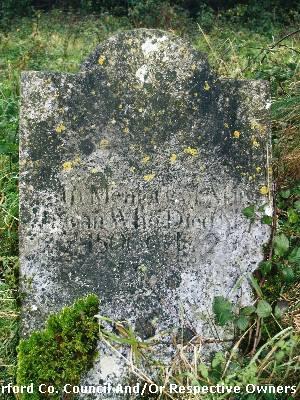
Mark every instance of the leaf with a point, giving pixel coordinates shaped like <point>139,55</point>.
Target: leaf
<point>248,310</point>
<point>263,309</point>
<point>278,312</point>
<point>203,370</point>
<point>294,257</point>
<point>281,244</point>
<point>218,359</point>
<point>249,212</point>
<point>297,205</point>
<point>293,216</point>
<point>265,267</point>
<point>285,194</point>
<point>267,220</point>
<point>242,323</point>
<point>223,310</point>
<point>288,274</point>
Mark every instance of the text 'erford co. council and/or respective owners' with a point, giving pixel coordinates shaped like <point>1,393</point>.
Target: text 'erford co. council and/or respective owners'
<point>146,388</point>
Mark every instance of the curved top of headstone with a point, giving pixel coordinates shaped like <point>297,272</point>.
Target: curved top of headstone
<point>165,88</point>
<point>147,56</point>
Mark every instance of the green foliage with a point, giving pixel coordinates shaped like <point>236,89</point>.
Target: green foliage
<point>249,212</point>
<point>61,352</point>
<point>281,244</point>
<point>263,309</point>
<point>223,310</point>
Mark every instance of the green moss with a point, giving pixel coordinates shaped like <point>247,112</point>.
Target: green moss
<point>61,352</point>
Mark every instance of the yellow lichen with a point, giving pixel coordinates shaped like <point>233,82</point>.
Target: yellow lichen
<point>173,158</point>
<point>101,60</point>
<point>226,125</point>
<point>104,143</point>
<point>67,166</point>
<point>206,86</point>
<point>255,143</point>
<point>255,125</point>
<point>126,130</point>
<point>149,177</point>
<point>236,134</point>
<point>145,159</point>
<point>60,128</point>
<point>264,190</point>
<point>132,169</point>
<point>258,169</point>
<point>76,161</point>
<point>191,151</point>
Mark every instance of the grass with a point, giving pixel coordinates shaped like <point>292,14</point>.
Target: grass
<point>237,48</point>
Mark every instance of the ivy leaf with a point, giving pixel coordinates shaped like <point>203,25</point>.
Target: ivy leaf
<point>249,212</point>
<point>263,309</point>
<point>281,244</point>
<point>223,310</point>
<point>242,323</point>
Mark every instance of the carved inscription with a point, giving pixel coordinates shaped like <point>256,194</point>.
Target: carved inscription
<point>111,216</point>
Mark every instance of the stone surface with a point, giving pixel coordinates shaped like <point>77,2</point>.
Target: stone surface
<point>134,175</point>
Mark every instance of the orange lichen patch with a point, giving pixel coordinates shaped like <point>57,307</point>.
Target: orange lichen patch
<point>191,151</point>
<point>149,177</point>
<point>101,60</point>
<point>236,134</point>
<point>264,190</point>
<point>60,128</point>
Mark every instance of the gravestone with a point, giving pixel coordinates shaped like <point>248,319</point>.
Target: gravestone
<point>134,175</point>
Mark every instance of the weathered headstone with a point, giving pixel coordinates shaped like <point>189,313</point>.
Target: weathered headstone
<point>134,175</point>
